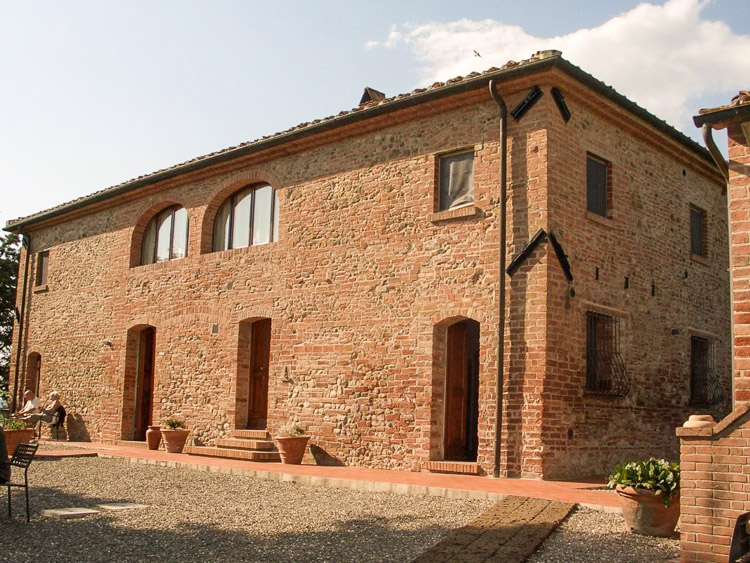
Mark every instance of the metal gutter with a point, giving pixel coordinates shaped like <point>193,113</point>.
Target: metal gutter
<point>21,324</point>
<point>503,110</point>
<point>398,103</point>
<point>720,118</point>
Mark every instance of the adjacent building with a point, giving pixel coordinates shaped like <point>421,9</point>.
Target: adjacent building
<point>715,458</point>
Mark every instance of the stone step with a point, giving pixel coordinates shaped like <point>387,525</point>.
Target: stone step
<point>251,434</point>
<point>246,455</point>
<point>460,467</point>
<point>133,444</point>
<point>244,444</point>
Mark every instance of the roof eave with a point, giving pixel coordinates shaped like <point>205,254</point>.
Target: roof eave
<point>465,85</point>
<point>720,118</point>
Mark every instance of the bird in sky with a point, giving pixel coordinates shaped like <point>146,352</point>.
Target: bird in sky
<point>476,53</point>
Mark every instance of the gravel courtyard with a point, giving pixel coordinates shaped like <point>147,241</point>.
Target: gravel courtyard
<point>199,516</point>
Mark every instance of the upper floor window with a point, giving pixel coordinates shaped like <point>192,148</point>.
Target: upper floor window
<point>704,383</point>
<point>166,236</point>
<point>248,217</point>
<point>456,183</point>
<point>598,189</point>
<point>42,262</point>
<point>698,232</point>
<point>605,369</point>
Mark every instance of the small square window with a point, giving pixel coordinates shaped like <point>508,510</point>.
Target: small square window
<point>42,262</point>
<point>598,189</point>
<point>456,184</point>
<point>605,369</point>
<point>698,232</point>
<point>704,383</point>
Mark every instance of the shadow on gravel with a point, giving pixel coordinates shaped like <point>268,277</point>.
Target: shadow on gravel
<point>107,537</point>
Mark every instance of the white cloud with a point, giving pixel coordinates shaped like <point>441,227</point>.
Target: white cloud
<point>665,57</point>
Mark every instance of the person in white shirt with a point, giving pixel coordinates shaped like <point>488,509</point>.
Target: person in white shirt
<point>31,406</point>
<point>48,412</point>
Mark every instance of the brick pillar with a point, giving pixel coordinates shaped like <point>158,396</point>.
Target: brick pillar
<point>715,485</point>
<point>739,220</point>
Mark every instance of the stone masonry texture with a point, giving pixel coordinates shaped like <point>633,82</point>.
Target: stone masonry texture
<point>366,277</point>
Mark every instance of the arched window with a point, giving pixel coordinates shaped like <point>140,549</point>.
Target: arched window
<point>248,217</point>
<point>166,236</point>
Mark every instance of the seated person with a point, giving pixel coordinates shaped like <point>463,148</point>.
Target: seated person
<point>4,464</point>
<point>48,412</point>
<point>31,406</point>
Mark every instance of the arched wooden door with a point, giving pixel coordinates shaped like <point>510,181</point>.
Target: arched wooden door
<point>144,404</point>
<point>260,351</point>
<point>462,391</point>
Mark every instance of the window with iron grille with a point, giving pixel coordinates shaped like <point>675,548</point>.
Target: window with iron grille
<point>698,232</point>
<point>704,383</point>
<point>605,369</point>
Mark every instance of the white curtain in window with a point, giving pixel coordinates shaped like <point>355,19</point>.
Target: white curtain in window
<point>221,226</point>
<point>180,236</point>
<point>456,180</point>
<point>262,215</point>
<point>163,236</point>
<point>241,225</point>
<point>147,245</point>
<point>275,216</point>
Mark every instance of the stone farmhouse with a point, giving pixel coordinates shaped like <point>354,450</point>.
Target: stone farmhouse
<point>347,275</point>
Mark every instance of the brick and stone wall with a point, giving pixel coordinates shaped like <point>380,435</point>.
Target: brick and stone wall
<point>636,266</point>
<point>365,277</point>
<point>716,460</point>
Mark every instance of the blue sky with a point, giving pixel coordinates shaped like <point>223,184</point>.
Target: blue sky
<point>96,93</point>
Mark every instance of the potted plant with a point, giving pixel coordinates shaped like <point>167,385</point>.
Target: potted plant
<point>175,435</point>
<point>649,493</point>
<point>292,445</point>
<point>16,433</point>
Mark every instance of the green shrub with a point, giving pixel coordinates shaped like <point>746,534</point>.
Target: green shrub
<point>656,475</point>
<point>14,424</point>
<point>173,423</point>
<point>295,430</point>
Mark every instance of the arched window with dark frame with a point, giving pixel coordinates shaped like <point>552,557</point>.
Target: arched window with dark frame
<point>247,217</point>
<point>166,236</point>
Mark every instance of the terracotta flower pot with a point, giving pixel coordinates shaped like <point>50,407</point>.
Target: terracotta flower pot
<point>15,437</point>
<point>174,440</point>
<point>153,437</point>
<point>292,448</point>
<point>645,513</point>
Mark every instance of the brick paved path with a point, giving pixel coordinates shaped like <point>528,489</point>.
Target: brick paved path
<point>507,533</point>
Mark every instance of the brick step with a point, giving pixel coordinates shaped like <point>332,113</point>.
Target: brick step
<point>461,467</point>
<point>246,455</point>
<point>132,444</point>
<point>244,444</point>
<point>251,434</point>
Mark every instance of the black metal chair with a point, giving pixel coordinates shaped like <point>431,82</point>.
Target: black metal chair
<point>58,420</point>
<point>22,458</point>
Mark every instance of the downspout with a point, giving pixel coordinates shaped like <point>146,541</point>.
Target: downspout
<point>27,245</point>
<point>503,221</point>
<point>708,138</point>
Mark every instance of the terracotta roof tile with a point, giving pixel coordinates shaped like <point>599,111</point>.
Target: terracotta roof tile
<point>316,123</point>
